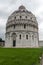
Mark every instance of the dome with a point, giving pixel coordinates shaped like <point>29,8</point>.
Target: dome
<point>22,16</point>
<point>21,7</point>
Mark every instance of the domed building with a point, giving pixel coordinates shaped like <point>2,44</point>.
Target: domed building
<point>22,29</point>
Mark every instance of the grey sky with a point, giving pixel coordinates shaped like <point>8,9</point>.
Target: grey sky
<point>9,6</point>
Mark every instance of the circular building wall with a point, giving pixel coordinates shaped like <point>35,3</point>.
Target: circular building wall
<point>22,29</point>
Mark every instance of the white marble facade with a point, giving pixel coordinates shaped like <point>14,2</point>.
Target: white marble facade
<point>22,29</point>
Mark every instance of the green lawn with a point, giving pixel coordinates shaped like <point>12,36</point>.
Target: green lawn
<point>20,56</point>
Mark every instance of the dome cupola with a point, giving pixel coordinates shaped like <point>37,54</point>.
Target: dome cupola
<point>22,7</point>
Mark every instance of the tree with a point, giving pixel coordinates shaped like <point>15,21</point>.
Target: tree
<point>0,39</point>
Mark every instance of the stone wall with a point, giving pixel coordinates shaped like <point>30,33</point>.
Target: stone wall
<point>41,43</point>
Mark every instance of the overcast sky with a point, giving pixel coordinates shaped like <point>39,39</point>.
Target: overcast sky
<point>9,6</point>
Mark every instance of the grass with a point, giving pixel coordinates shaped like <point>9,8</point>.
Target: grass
<point>20,56</point>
